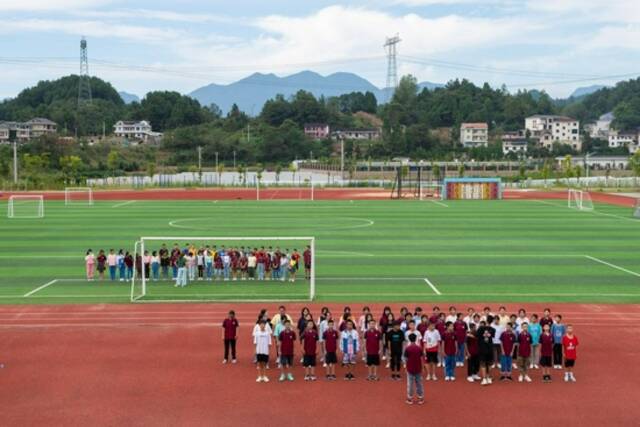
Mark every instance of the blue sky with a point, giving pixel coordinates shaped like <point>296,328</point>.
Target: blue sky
<point>556,45</point>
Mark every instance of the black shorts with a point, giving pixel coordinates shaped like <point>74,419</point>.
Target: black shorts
<point>569,363</point>
<point>432,357</point>
<point>373,360</point>
<point>286,360</point>
<point>331,358</point>
<point>545,361</point>
<point>308,361</point>
<point>486,359</point>
<point>262,358</point>
<point>307,266</point>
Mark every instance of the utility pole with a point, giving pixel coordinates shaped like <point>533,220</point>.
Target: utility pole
<point>342,158</point>
<point>15,162</point>
<point>392,64</point>
<point>199,158</point>
<point>216,161</point>
<point>234,159</point>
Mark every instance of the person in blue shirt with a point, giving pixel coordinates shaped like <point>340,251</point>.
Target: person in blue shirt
<point>535,330</point>
<point>558,330</point>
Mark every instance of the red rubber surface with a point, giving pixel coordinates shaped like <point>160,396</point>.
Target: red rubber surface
<point>107,365</point>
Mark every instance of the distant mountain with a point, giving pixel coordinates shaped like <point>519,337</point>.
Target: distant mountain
<point>588,90</point>
<point>253,91</point>
<point>128,98</point>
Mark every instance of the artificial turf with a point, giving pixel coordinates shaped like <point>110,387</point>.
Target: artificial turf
<point>523,250</point>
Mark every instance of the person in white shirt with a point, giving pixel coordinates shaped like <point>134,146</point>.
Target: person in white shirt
<point>411,329</point>
<point>112,262</point>
<point>432,341</point>
<point>252,261</point>
<point>468,319</point>
<point>284,264</point>
<point>522,318</point>
<point>155,266</point>
<point>262,340</point>
<point>452,316</point>
<point>496,341</point>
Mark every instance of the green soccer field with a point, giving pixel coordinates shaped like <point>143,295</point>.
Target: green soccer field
<point>365,250</point>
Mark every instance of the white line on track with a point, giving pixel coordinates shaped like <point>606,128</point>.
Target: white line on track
<point>432,286</point>
<point>617,267</point>
<point>28,294</point>
<point>124,204</point>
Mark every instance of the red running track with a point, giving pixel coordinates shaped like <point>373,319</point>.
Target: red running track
<point>105,365</point>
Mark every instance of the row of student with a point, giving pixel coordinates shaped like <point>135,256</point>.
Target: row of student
<point>190,263</point>
<point>478,344</point>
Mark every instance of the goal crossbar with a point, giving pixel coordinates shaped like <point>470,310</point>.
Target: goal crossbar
<point>39,198</point>
<point>139,248</point>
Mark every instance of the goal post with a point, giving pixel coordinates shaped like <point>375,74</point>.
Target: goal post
<point>213,269</point>
<point>636,209</point>
<point>580,200</point>
<point>25,206</point>
<point>78,196</point>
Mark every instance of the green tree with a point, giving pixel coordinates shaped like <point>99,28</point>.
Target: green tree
<point>634,163</point>
<point>113,161</point>
<point>70,167</point>
<point>567,166</point>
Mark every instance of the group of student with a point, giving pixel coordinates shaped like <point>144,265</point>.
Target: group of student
<point>418,341</point>
<point>191,263</point>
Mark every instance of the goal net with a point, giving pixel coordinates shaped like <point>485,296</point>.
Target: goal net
<point>181,268</point>
<point>78,196</point>
<point>26,206</point>
<point>578,199</point>
<point>636,209</point>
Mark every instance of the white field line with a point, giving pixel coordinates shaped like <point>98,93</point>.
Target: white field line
<point>124,204</point>
<point>28,294</point>
<point>564,205</point>
<point>617,267</point>
<point>432,286</point>
<point>438,203</point>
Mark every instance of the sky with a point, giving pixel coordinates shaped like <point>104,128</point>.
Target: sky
<point>139,46</point>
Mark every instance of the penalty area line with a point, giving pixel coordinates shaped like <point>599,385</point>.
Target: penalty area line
<point>432,286</point>
<point>124,204</point>
<point>617,267</point>
<point>28,294</point>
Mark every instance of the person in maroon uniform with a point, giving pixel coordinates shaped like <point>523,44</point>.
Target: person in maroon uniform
<point>471,353</point>
<point>306,256</point>
<point>230,327</point>
<point>546,318</point>
<point>507,345</point>
<point>275,264</point>
<point>285,349</point>
<point>460,329</point>
<point>524,352</point>
<point>413,366</point>
<point>309,346</point>
<point>546,352</point>
<point>243,263</point>
<point>450,344</point>
<point>435,315</point>
<point>441,327</point>
<point>330,343</point>
<point>373,339</point>
<point>217,265</point>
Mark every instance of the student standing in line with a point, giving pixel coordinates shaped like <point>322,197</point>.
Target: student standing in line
<point>460,330</point>
<point>122,269</point>
<point>413,365</point>
<point>558,330</point>
<point>262,341</point>
<point>330,346</point>
<point>471,351</point>
<point>208,264</point>
<point>286,340</point>
<point>101,260</point>
<point>181,278</point>
<point>524,352</point>
<point>128,262</point>
<point>569,352</point>
<point>485,350</point>
<point>373,339</point>
<point>395,340</point>
<point>147,264</point>
<point>535,330</point>
<point>90,262</point>
<point>450,345</point>
<point>230,327</point>
<point>112,262</point>
<point>350,346</point>
<point>546,352</point>
<point>165,260</point>
<point>155,266</point>
<point>309,346</point>
<point>507,344</point>
<point>432,341</point>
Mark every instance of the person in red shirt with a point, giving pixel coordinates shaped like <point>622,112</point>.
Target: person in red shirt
<point>569,353</point>
<point>230,327</point>
<point>471,353</point>
<point>330,344</point>
<point>441,327</point>
<point>524,352</point>
<point>460,329</point>
<point>286,339</point>
<point>507,346</point>
<point>373,339</point>
<point>435,315</point>
<point>450,344</point>
<point>546,352</point>
<point>413,365</point>
<point>306,256</point>
<point>309,346</point>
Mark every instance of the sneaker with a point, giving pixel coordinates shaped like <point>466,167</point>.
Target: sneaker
<point>387,365</point>
<point>282,377</point>
<point>503,377</point>
<point>452,378</point>
<point>265,379</point>
<point>434,378</point>
<point>531,366</point>
<point>572,378</point>
<point>352,377</point>
<point>290,377</point>
<point>307,377</point>
<point>384,357</point>
<point>346,377</point>
<point>527,378</point>
<point>493,366</point>
<point>490,380</point>
<point>520,378</point>
<point>484,382</point>
<point>420,401</point>
<point>224,361</point>
<point>259,380</point>
<point>428,378</point>
<point>470,379</point>
<point>313,378</point>
<point>409,401</point>
<point>446,378</point>
<point>324,365</point>
<point>477,377</point>
<point>536,366</point>
<point>234,361</point>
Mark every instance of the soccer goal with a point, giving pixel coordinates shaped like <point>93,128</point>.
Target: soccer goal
<point>217,272</point>
<point>26,206</point>
<point>580,200</point>
<point>636,209</point>
<point>78,196</point>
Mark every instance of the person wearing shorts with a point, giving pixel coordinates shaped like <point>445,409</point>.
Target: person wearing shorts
<point>262,341</point>
<point>546,352</point>
<point>309,346</point>
<point>432,340</point>
<point>349,344</point>
<point>286,339</point>
<point>330,344</point>
<point>569,353</point>
<point>372,339</point>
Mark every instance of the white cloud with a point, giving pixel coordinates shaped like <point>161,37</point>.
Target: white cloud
<point>591,11</point>
<point>451,2</point>
<point>160,15</point>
